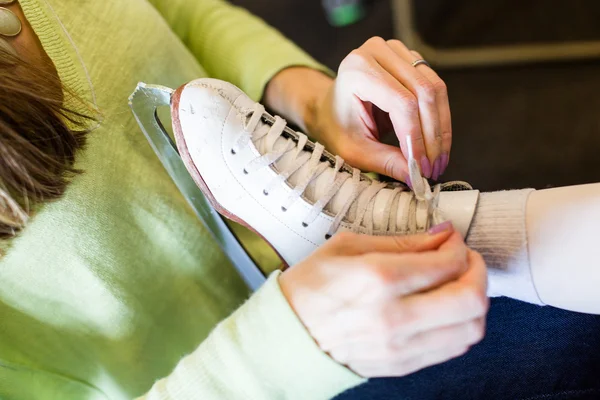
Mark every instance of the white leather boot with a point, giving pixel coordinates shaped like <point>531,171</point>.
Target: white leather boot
<point>260,173</point>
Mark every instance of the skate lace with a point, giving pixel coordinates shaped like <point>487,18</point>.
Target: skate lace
<point>364,189</point>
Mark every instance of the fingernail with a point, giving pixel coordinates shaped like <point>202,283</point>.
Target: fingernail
<point>437,169</point>
<point>425,167</point>
<point>408,182</point>
<point>443,227</point>
<point>444,163</point>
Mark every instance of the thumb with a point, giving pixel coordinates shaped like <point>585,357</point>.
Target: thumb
<point>383,159</point>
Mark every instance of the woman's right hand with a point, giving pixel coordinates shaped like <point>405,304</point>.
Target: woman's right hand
<point>390,306</point>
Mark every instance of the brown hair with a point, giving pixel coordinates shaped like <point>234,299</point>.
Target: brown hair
<point>39,137</point>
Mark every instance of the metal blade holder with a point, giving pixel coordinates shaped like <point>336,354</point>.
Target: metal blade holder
<point>144,102</point>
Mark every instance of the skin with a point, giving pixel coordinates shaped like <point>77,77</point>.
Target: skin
<point>389,306</point>
<point>383,306</point>
<point>377,90</point>
<point>27,43</point>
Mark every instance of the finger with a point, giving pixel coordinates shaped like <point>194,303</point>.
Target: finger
<point>388,277</point>
<point>453,303</point>
<point>374,156</point>
<point>393,351</point>
<point>443,105</point>
<point>382,89</point>
<point>465,334</point>
<point>375,370</point>
<point>392,59</point>
<point>381,158</point>
<point>410,273</point>
<point>352,244</point>
<point>439,89</point>
<point>380,281</point>
<point>478,277</point>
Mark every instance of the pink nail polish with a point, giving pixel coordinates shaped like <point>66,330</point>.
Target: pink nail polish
<point>408,182</point>
<point>437,169</point>
<point>443,227</point>
<point>425,167</point>
<point>444,163</point>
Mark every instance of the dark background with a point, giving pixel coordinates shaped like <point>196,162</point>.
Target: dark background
<point>522,126</point>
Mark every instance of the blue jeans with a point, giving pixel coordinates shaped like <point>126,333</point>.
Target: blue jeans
<point>529,353</point>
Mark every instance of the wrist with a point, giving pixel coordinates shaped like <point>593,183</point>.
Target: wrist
<point>296,93</point>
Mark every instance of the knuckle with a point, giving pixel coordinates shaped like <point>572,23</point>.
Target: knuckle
<point>477,258</point>
<point>388,324</point>
<point>446,135</point>
<point>396,321</point>
<point>408,102</point>
<point>401,370</point>
<point>403,243</point>
<point>410,317</point>
<point>343,237</point>
<point>390,167</point>
<point>394,42</point>
<point>386,275</point>
<point>384,325</point>
<point>440,88</point>
<point>342,243</point>
<point>459,351</point>
<point>355,60</point>
<point>405,317</point>
<point>475,300</point>
<point>417,138</point>
<point>375,41</point>
<point>453,264</point>
<point>456,257</point>
<point>402,97</point>
<point>425,90</point>
<point>383,275</point>
<point>475,332</point>
<point>410,366</point>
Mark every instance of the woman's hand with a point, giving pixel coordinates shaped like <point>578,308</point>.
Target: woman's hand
<point>389,306</point>
<point>377,90</point>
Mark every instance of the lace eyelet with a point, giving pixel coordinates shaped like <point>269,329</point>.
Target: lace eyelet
<point>327,236</point>
<point>283,209</point>
<point>265,193</point>
<point>233,151</point>
<point>245,172</point>
<point>304,224</point>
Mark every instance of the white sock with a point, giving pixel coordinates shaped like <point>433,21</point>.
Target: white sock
<point>499,233</point>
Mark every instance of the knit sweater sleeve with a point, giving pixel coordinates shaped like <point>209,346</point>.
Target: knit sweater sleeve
<point>231,44</point>
<point>261,352</point>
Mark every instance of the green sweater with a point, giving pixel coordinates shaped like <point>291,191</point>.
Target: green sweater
<point>109,288</point>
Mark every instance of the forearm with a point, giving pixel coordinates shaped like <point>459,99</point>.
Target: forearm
<point>295,92</point>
